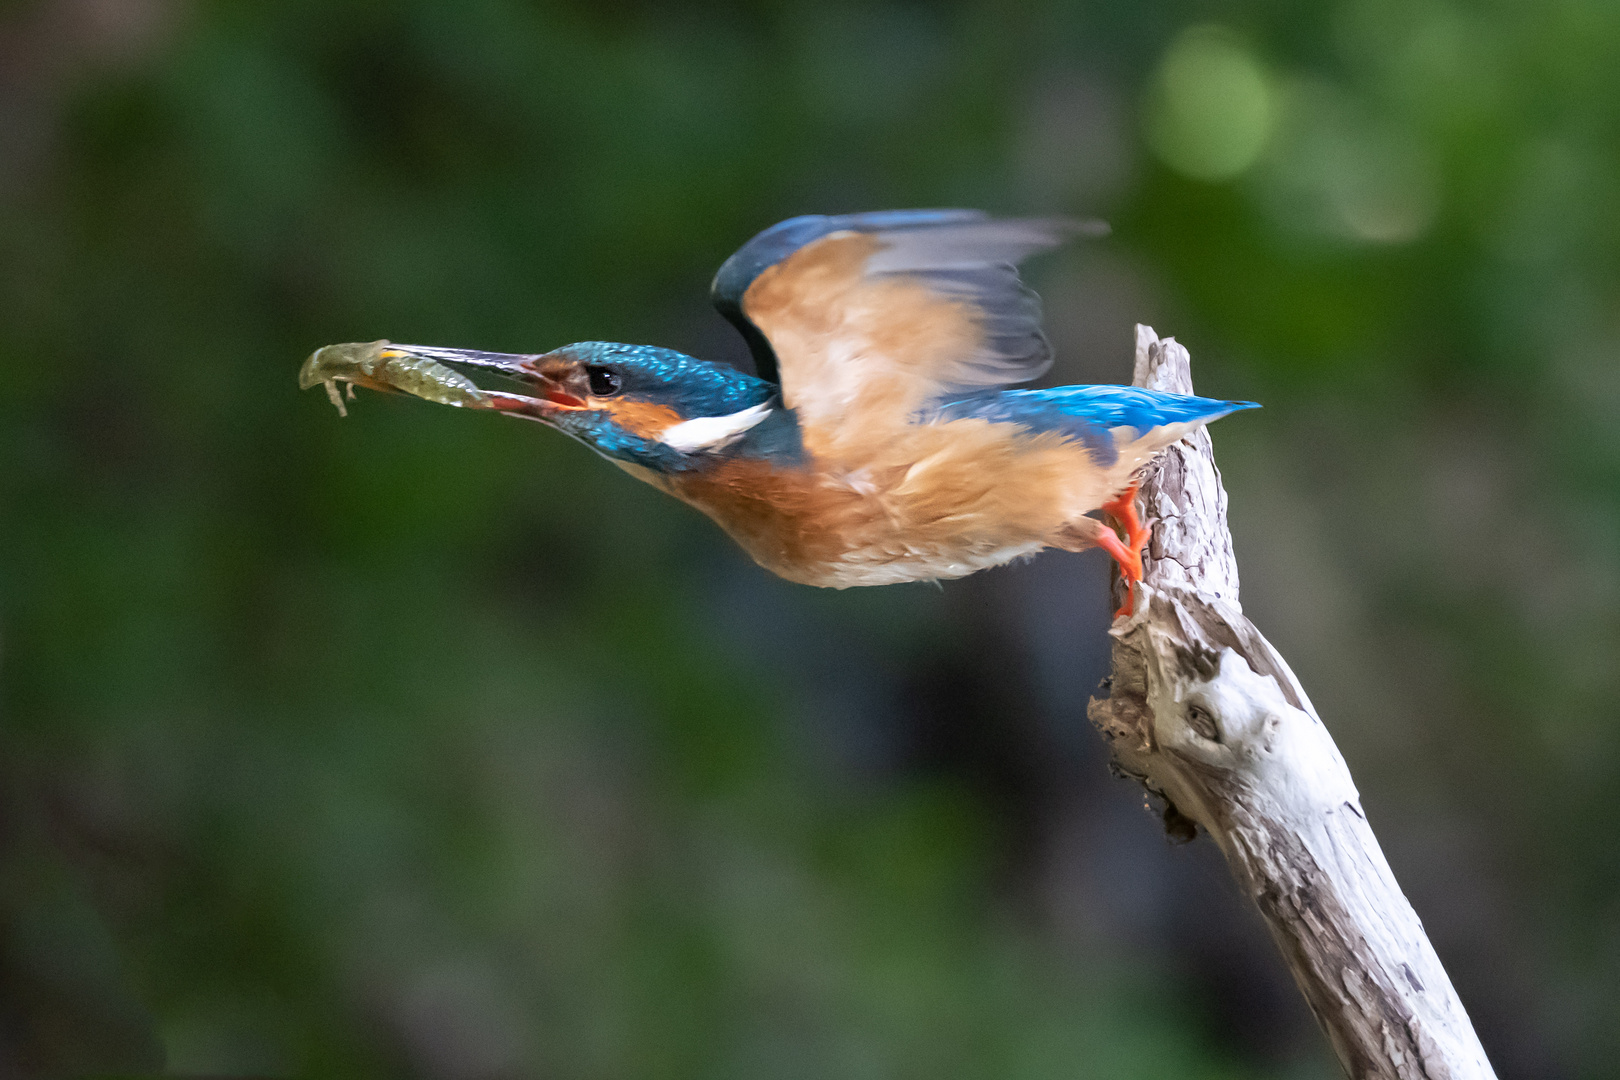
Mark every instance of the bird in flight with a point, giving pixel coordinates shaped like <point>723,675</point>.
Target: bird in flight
<point>879,442</point>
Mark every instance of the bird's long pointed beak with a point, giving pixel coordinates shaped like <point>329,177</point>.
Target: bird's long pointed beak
<point>544,400</point>
<point>514,365</point>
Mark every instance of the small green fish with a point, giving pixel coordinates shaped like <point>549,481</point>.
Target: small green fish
<point>378,366</point>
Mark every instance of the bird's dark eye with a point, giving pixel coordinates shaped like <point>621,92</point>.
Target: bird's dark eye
<point>604,381</point>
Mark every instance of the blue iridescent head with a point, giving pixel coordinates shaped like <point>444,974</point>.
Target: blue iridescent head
<point>656,407</point>
<point>640,404</point>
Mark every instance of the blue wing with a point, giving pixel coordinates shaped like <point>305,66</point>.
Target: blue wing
<point>1095,415</point>
<point>959,255</point>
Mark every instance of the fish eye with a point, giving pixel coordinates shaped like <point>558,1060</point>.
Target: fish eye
<point>604,382</point>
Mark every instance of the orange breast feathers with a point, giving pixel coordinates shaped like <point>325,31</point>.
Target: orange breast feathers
<point>935,501</point>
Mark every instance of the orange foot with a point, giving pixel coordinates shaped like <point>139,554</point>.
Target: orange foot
<point>1129,553</point>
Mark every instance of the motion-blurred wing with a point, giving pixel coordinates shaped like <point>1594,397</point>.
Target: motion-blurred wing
<point>865,318</point>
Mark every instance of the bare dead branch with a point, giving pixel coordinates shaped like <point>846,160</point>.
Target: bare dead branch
<point>1205,713</point>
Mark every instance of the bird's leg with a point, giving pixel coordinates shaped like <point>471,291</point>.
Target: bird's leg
<point>1123,510</point>
<point>1088,532</point>
<point>1130,566</point>
<point>1129,554</point>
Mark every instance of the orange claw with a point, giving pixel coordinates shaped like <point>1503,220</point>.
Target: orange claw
<point>1129,553</point>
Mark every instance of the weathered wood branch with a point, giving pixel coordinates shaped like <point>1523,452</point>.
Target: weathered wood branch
<point>1205,713</point>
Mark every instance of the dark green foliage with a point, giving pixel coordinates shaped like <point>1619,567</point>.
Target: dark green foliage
<point>425,743</point>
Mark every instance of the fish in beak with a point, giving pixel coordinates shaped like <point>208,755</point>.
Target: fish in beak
<point>430,373</point>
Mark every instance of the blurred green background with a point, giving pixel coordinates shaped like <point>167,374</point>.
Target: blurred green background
<point>426,744</point>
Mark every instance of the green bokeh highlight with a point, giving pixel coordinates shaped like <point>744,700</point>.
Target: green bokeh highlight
<point>423,743</point>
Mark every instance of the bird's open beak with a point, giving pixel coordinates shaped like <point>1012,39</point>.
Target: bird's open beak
<point>434,374</point>
<point>545,395</point>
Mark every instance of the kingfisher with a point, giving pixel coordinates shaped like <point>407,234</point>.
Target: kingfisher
<point>879,441</point>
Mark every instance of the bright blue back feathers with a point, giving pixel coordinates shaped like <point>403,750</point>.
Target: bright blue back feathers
<point>1106,406</point>
<point>1087,413</point>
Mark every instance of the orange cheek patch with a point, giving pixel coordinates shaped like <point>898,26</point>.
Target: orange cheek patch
<point>641,418</point>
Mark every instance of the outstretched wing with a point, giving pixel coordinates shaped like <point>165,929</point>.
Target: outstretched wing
<point>865,318</point>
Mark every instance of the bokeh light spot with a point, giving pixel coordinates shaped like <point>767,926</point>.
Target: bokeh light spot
<point>1211,108</point>
<point>1335,169</point>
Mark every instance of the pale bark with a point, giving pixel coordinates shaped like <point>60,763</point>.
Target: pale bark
<point>1204,712</point>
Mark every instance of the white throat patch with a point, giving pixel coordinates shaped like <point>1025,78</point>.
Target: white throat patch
<point>712,432</point>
